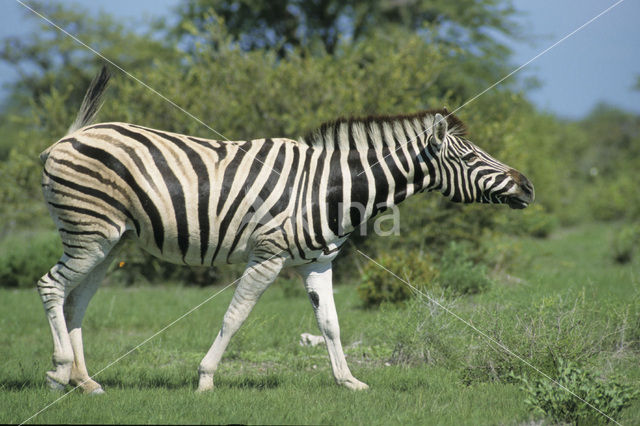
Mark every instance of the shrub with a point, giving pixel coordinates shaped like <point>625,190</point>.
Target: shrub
<point>459,274</point>
<point>377,285</point>
<point>455,274</point>
<point>553,401</point>
<point>556,327</point>
<point>615,198</point>
<point>503,255</point>
<point>535,221</point>
<point>27,257</point>
<point>424,333</point>
<point>625,242</point>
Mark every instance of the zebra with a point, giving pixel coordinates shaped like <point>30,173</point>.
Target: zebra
<point>270,203</point>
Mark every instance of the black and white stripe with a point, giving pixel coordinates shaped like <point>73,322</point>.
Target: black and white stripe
<point>200,202</point>
<point>278,201</point>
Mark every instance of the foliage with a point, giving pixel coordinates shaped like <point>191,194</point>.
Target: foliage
<point>288,24</point>
<point>610,163</point>
<point>377,285</point>
<point>355,59</point>
<point>49,59</point>
<point>625,242</point>
<point>453,275</point>
<point>553,328</point>
<point>468,32</point>
<point>535,221</point>
<point>616,197</point>
<point>554,400</point>
<point>55,72</point>
<point>459,274</point>
<point>22,265</point>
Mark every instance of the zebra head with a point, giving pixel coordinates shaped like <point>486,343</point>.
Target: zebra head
<point>466,174</point>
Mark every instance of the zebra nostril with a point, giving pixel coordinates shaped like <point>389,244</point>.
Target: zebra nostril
<point>525,184</point>
<point>527,190</point>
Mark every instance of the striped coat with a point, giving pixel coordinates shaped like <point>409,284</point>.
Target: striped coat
<point>271,203</point>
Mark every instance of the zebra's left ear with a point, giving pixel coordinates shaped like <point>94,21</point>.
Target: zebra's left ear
<point>439,128</point>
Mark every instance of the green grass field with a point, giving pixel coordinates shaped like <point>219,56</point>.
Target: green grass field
<point>565,297</point>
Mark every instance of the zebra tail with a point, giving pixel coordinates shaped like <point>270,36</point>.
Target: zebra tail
<point>90,106</point>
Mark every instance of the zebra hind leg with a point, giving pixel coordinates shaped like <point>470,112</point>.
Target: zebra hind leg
<point>72,270</point>
<point>256,278</point>
<point>75,306</point>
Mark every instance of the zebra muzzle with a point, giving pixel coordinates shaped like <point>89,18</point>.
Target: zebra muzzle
<point>525,193</point>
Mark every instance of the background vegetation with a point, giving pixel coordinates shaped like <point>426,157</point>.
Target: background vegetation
<point>280,68</point>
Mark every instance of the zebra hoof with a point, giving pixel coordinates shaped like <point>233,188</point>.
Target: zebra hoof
<point>54,385</point>
<point>88,386</point>
<point>97,391</point>
<point>354,384</point>
<point>205,383</point>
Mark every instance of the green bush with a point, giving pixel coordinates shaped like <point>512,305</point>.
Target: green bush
<point>504,255</point>
<point>456,274</point>
<point>460,274</point>
<point>569,326</point>
<point>556,402</point>
<point>377,285</point>
<point>25,258</point>
<point>625,243</point>
<point>535,221</point>
<point>422,332</point>
<point>615,198</point>
<point>250,95</point>
<point>292,286</point>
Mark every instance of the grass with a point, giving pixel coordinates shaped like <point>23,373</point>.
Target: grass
<point>423,366</point>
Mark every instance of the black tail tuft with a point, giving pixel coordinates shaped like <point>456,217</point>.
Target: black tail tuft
<point>90,105</point>
<point>92,100</point>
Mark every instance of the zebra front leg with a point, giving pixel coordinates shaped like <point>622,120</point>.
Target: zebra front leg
<point>255,280</point>
<point>318,282</point>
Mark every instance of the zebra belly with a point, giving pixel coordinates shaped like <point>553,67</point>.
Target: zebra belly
<point>196,251</point>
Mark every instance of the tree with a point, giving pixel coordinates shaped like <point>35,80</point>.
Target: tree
<point>300,76</point>
<point>48,58</point>
<point>464,31</point>
<point>285,24</point>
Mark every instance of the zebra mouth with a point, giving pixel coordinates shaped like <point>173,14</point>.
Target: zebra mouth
<point>523,197</point>
<point>516,202</point>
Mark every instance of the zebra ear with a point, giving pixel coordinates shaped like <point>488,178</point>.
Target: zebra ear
<point>439,128</point>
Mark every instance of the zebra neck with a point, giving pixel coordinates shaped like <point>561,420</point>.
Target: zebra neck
<point>377,165</point>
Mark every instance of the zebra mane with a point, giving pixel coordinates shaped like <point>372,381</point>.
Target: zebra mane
<point>455,126</point>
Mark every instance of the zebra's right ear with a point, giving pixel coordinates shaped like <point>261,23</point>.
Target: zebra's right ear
<point>439,130</point>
